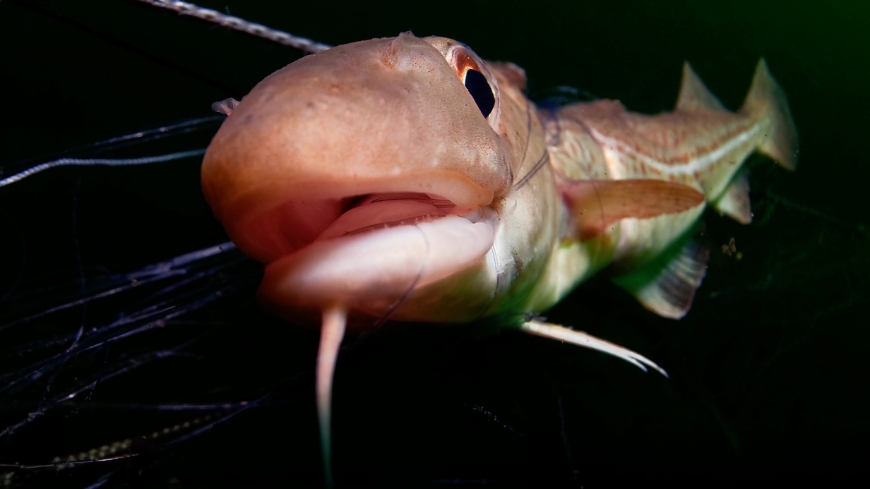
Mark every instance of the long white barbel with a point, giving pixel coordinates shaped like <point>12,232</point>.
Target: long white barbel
<point>331,334</point>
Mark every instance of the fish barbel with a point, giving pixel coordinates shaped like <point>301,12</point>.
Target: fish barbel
<point>409,179</point>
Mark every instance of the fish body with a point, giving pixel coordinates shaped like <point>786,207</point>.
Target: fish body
<point>615,171</point>
<point>409,179</point>
<point>368,176</point>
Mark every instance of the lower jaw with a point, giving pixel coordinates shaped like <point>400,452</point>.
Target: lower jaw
<point>384,272</point>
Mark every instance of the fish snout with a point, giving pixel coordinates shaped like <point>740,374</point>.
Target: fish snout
<point>355,174</point>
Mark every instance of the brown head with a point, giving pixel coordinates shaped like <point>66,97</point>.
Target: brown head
<point>318,171</point>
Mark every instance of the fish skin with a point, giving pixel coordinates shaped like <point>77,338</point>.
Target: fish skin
<point>557,195</point>
<point>700,145</point>
<point>401,70</point>
<point>533,163</point>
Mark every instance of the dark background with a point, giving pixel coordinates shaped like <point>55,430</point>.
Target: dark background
<point>768,377</point>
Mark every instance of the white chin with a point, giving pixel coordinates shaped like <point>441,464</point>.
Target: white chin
<point>374,270</point>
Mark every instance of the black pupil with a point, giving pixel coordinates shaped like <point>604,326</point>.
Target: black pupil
<point>479,89</point>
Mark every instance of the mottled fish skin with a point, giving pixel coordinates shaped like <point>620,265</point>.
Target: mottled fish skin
<point>563,194</point>
<point>700,145</point>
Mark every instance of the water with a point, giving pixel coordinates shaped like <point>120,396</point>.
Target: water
<point>765,370</point>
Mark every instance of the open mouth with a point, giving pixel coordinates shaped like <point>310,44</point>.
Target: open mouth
<point>294,224</point>
<point>283,217</point>
<point>368,250</point>
<point>366,243</point>
<point>382,211</point>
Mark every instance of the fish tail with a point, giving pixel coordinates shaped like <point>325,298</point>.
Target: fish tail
<point>767,101</point>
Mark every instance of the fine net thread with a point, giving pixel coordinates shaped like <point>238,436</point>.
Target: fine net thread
<point>239,24</point>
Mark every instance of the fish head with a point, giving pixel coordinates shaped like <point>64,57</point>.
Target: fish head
<point>366,176</point>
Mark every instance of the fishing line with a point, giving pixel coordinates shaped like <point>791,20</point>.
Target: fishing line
<point>240,25</point>
<point>545,158</point>
<point>138,137</point>
<point>156,316</point>
<point>151,273</point>
<point>145,160</point>
<point>78,335</point>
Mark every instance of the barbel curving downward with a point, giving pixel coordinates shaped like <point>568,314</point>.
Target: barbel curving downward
<point>407,178</point>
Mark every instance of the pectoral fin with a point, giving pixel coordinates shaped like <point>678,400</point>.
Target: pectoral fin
<point>598,204</point>
<point>667,285</point>
<point>655,218</point>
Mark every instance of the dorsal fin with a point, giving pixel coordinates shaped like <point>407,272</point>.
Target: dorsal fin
<point>667,285</point>
<point>694,95</point>
<point>597,204</point>
<point>734,201</point>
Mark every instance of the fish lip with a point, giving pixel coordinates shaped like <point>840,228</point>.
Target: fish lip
<point>373,272</point>
<point>240,215</point>
<point>401,209</point>
<point>452,185</point>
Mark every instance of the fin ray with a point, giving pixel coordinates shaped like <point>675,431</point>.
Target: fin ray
<point>667,287</point>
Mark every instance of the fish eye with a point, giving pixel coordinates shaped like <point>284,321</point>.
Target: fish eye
<point>480,91</point>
